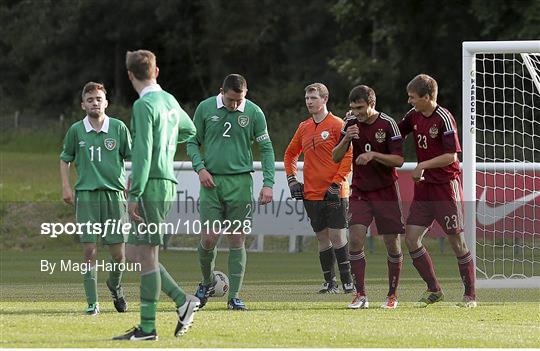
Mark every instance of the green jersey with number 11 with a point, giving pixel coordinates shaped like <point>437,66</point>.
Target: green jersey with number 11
<point>227,137</point>
<point>158,124</point>
<point>98,156</point>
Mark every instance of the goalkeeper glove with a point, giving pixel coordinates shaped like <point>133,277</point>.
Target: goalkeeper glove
<point>296,188</point>
<point>332,196</point>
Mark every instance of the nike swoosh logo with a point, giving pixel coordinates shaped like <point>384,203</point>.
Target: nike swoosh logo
<point>499,212</point>
<point>184,315</point>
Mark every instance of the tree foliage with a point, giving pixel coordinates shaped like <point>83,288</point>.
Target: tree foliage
<point>50,48</point>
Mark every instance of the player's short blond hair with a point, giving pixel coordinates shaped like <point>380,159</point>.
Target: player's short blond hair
<point>142,63</point>
<point>319,88</point>
<point>92,86</point>
<point>424,85</point>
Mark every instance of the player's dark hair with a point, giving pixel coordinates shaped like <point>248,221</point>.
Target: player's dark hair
<point>142,63</point>
<point>363,92</point>
<point>92,86</point>
<point>423,85</point>
<point>234,81</point>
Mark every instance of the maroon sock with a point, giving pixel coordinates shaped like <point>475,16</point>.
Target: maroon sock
<point>424,266</point>
<point>466,271</point>
<point>394,268</point>
<point>358,270</point>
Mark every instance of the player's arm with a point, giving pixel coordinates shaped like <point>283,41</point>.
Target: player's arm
<point>405,125</point>
<point>67,193</point>
<point>439,161</point>
<point>66,157</point>
<point>125,140</point>
<point>341,149</point>
<point>193,147</point>
<point>142,150</point>
<point>332,195</point>
<point>348,133</point>
<point>436,162</point>
<point>345,165</point>
<point>394,156</point>
<point>186,128</point>
<point>292,153</point>
<point>267,157</point>
<point>386,159</point>
<point>194,143</point>
<point>290,161</point>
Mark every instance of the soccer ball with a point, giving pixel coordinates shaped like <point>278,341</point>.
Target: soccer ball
<point>222,284</point>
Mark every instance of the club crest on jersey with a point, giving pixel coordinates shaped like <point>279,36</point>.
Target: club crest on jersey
<point>325,134</point>
<point>243,120</point>
<point>380,136</point>
<point>433,131</point>
<point>110,144</point>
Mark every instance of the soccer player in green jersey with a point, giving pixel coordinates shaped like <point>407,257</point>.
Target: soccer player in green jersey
<point>98,145</point>
<point>158,125</point>
<point>227,125</point>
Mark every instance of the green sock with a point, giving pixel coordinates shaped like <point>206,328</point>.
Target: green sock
<point>207,261</point>
<point>90,285</point>
<point>171,288</point>
<point>237,268</point>
<point>115,276</point>
<point>150,288</point>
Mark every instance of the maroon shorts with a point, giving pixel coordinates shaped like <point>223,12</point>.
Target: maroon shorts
<point>383,204</point>
<point>440,202</point>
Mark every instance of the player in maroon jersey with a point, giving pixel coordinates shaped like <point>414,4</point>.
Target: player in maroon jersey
<point>438,192</point>
<point>377,150</point>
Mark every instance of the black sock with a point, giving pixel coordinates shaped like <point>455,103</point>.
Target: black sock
<point>342,257</point>
<point>327,259</point>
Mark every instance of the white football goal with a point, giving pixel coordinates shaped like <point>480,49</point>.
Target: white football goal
<point>501,161</point>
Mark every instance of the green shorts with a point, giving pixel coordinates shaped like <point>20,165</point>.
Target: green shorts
<point>154,207</point>
<point>96,207</point>
<point>229,202</point>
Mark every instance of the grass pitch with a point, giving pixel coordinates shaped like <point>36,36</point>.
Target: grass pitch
<point>41,310</point>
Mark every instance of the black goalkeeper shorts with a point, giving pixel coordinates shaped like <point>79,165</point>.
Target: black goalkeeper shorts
<point>322,216</point>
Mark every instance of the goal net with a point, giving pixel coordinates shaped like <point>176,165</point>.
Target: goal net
<point>501,160</point>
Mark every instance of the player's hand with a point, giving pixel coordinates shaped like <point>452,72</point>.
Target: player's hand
<point>297,190</point>
<point>67,195</point>
<point>206,179</point>
<point>363,159</point>
<point>352,133</point>
<point>266,195</point>
<point>418,174</point>
<point>133,210</point>
<point>332,196</point>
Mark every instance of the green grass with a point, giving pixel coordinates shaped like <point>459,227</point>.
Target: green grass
<point>41,310</point>
<point>29,177</point>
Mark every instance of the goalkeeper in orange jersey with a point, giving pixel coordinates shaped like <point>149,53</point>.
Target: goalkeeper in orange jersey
<point>325,190</point>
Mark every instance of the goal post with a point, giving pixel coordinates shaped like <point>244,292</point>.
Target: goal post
<point>501,161</point>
